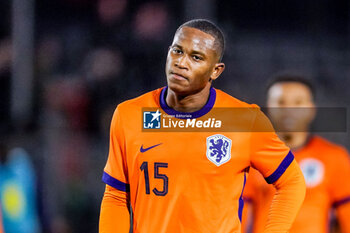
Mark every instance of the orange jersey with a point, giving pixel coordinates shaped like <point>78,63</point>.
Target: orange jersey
<point>188,181</point>
<point>326,169</point>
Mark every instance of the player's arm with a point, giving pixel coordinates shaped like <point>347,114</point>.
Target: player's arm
<point>114,215</point>
<point>289,196</point>
<point>340,190</point>
<point>276,163</point>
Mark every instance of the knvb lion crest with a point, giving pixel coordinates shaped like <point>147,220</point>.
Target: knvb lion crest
<point>313,171</point>
<point>218,149</point>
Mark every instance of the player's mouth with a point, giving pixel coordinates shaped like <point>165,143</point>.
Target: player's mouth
<point>177,76</point>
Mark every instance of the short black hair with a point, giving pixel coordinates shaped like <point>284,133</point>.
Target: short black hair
<point>210,28</point>
<point>288,76</point>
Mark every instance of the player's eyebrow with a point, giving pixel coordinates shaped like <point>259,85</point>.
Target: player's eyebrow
<point>199,53</point>
<point>176,45</point>
<point>192,52</point>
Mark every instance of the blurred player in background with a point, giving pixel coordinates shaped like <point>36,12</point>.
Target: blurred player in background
<point>18,193</point>
<point>193,181</point>
<point>325,165</point>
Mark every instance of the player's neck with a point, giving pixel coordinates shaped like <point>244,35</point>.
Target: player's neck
<point>295,140</point>
<point>188,103</point>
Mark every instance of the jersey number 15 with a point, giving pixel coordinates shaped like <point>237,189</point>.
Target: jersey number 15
<point>157,175</point>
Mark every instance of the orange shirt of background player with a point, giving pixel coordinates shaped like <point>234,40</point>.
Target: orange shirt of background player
<point>326,169</point>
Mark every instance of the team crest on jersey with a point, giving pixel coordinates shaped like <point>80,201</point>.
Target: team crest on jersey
<point>313,171</point>
<point>218,149</point>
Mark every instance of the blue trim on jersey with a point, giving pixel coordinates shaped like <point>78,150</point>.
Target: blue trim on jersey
<point>281,168</point>
<point>184,115</point>
<point>115,183</point>
<point>241,201</point>
<point>336,204</point>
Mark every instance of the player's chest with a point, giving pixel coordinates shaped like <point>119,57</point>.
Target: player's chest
<point>200,152</point>
<point>316,172</point>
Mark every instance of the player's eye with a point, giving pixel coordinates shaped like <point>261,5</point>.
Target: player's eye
<point>197,58</point>
<point>177,51</point>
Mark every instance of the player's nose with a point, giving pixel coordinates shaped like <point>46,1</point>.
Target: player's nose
<point>182,62</point>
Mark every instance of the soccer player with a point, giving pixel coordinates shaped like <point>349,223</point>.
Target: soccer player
<point>325,165</point>
<point>192,181</point>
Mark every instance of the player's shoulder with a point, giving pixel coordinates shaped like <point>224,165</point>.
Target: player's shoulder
<point>226,100</point>
<point>246,113</point>
<point>325,145</point>
<point>334,156</point>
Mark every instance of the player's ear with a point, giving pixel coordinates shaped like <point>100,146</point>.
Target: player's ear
<point>218,69</point>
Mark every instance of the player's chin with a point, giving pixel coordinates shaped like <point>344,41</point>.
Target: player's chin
<point>178,87</point>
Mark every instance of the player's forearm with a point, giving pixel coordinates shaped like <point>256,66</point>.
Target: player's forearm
<point>114,216</point>
<point>290,193</point>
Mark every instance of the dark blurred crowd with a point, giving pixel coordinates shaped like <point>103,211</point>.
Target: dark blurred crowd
<point>89,56</point>
<point>92,54</point>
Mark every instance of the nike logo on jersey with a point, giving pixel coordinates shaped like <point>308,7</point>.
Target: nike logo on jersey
<point>142,150</point>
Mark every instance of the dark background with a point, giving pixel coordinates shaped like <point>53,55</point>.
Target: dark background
<point>90,55</point>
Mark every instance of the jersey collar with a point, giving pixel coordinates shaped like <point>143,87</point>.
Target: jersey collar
<point>184,115</point>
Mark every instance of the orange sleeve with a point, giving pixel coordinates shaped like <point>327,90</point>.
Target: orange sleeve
<point>115,171</point>
<point>114,215</point>
<point>340,189</point>
<point>289,196</point>
<point>269,155</point>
